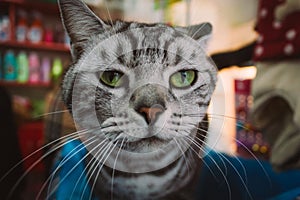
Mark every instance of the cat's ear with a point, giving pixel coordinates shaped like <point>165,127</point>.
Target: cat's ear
<point>80,23</point>
<point>200,32</point>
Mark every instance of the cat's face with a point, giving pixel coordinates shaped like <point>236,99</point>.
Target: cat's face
<point>140,90</point>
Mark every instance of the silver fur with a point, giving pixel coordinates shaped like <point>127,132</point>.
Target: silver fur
<point>148,161</point>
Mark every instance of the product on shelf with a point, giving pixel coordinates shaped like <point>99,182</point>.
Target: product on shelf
<point>35,31</point>
<point>21,27</point>
<point>45,70</point>
<point>57,69</point>
<point>49,35</point>
<point>1,68</point>
<point>9,66</point>
<point>23,68</point>
<point>4,28</point>
<point>34,68</point>
<point>248,137</point>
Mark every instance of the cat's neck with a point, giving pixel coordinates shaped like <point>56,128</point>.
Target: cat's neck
<point>177,181</point>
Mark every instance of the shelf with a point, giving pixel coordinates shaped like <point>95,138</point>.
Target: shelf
<point>48,7</point>
<point>38,46</point>
<point>16,84</point>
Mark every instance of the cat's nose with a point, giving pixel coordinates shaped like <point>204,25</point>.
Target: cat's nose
<point>151,113</point>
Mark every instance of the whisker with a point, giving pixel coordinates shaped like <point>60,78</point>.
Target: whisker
<point>210,115</point>
<point>74,135</point>
<point>89,165</point>
<point>113,173</point>
<point>31,167</point>
<point>215,163</point>
<point>187,163</point>
<point>100,162</point>
<point>50,113</point>
<point>74,167</point>
<point>95,164</point>
<point>72,153</point>
<point>109,16</point>
<point>199,29</point>
<point>248,150</point>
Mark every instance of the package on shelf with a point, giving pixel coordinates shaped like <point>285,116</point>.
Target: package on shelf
<point>1,67</point>
<point>29,67</point>
<point>36,31</point>
<point>248,137</point>
<point>21,26</point>
<point>9,66</point>
<point>4,28</point>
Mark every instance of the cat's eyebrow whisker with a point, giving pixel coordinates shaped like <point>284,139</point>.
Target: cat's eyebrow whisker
<point>110,18</point>
<point>70,155</point>
<point>199,29</point>
<point>113,173</point>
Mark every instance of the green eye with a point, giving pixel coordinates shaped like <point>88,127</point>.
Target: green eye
<point>183,79</point>
<point>112,78</point>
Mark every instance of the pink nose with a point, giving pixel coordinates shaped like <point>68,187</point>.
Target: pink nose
<point>151,113</point>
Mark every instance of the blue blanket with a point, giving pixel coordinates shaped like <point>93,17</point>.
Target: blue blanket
<point>223,177</point>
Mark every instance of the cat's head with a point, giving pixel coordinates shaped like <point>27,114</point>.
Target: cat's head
<point>141,88</point>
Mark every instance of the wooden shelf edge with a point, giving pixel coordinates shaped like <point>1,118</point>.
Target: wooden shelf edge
<point>38,46</point>
<point>16,84</point>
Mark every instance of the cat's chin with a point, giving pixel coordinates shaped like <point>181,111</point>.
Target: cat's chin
<point>146,145</point>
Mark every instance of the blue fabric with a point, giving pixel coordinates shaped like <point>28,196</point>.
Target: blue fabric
<point>222,178</point>
<point>230,178</point>
<point>72,179</point>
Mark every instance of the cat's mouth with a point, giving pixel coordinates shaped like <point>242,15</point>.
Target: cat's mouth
<point>145,145</point>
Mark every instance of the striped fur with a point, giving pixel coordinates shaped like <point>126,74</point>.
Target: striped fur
<point>129,158</point>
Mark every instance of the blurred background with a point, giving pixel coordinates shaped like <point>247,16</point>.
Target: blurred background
<point>34,53</point>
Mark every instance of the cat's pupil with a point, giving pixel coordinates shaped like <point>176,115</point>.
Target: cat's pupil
<point>183,77</point>
<point>111,78</point>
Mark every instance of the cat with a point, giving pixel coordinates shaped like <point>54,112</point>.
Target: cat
<point>138,94</point>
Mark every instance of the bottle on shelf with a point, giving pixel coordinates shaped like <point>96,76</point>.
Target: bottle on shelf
<point>45,70</point>
<point>57,69</point>
<point>49,34</point>
<point>10,66</point>
<point>34,68</point>
<point>35,32</point>
<point>23,68</point>
<point>21,27</point>
<point>4,28</point>
<point>1,73</point>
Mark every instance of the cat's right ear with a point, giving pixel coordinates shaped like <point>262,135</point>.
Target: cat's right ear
<point>80,23</point>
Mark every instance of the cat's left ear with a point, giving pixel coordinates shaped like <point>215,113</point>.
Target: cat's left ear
<point>80,23</point>
<point>199,32</point>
